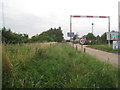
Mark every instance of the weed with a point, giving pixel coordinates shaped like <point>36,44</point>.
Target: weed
<point>57,66</point>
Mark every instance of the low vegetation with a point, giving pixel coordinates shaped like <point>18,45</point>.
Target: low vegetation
<point>54,65</point>
<point>104,47</point>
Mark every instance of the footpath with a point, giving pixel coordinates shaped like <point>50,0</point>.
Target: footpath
<point>99,54</point>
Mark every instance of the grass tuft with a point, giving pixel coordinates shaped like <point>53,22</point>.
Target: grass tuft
<point>57,66</point>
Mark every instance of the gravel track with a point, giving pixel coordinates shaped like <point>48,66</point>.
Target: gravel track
<point>99,54</point>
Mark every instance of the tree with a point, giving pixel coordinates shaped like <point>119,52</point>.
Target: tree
<point>98,39</point>
<point>9,37</point>
<point>75,36</point>
<point>12,38</point>
<point>59,35</point>
<point>50,35</point>
<point>90,36</point>
<point>103,38</point>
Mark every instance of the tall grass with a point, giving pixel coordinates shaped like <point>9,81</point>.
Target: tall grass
<point>17,56</point>
<point>59,65</point>
<point>22,53</point>
<point>0,64</point>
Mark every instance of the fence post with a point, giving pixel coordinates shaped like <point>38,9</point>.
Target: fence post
<point>81,47</point>
<point>76,47</point>
<point>84,50</point>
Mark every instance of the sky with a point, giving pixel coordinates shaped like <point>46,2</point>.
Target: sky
<point>35,16</point>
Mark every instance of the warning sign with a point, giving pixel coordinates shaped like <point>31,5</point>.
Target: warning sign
<point>82,41</point>
<point>114,38</point>
<point>112,35</point>
<point>116,45</point>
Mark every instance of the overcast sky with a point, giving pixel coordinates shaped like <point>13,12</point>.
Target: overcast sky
<point>35,16</point>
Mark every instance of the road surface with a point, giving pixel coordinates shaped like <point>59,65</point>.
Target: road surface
<point>99,54</point>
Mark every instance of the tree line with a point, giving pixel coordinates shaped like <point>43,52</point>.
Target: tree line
<point>94,39</point>
<point>51,35</point>
<point>97,39</point>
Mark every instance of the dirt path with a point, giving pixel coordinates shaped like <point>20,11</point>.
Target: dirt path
<point>101,55</point>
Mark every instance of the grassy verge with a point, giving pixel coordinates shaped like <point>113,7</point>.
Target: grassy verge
<point>105,47</point>
<point>58,66</point>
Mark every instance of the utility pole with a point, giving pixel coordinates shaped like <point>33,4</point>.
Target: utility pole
<point>119,16</point>
<point>3,15</point>
<point>70,27</point>
<point>92,27</point>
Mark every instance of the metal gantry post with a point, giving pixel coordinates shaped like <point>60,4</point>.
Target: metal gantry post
<point>109,30</point>
<point>70,27</point>
<point>84,16</point>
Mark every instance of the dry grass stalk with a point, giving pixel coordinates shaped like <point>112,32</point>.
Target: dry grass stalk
<point>7,66</point>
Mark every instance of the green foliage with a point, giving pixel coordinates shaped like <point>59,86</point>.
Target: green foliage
<point>90,36</point>
<point>50,35</point>
<point>75,37</point>
<point>59,66</point>
<point>9,37</point>
<point>104,38</point>
<point>104,47</point>
<point>97,39</point>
